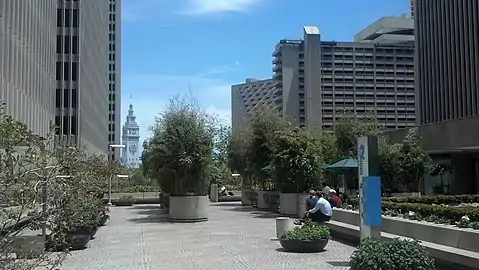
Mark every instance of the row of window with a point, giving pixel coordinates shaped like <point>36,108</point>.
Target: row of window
<point>67,18</point>
<point>67,44</point>
<point>69,125</point>
<point>66,72</point>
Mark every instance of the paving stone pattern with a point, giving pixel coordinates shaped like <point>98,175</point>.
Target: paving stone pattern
<point>140,237</point>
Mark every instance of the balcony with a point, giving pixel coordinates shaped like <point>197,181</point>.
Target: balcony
<point>277,68</point>
<point>278,76</point>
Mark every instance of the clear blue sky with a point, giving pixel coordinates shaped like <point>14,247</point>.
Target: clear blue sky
<point>169,46</point>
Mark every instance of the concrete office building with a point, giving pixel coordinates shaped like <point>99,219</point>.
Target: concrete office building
<point>247,96</point>
<point>321,81</point>
<point>114,77</point>
<point>447,80</point>
<point>82,73</point>
<point>27,71</point>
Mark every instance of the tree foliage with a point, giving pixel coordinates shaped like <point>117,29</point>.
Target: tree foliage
<point>180,151</point>
<point>297,160</point>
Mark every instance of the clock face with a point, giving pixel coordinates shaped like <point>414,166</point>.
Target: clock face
<point>133,148</point>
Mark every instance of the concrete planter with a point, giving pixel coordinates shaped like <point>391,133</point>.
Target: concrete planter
<point>245,198</point>
<point>188,208</point>
<point>263,201</point>
<point>302,204</point>
<point>445,235</point>
<point>288,204</point>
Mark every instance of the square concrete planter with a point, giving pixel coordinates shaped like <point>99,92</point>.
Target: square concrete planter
<point>263,199</point>
<point>245,196</point>
<point>446,235</point>
<point>288,204</point>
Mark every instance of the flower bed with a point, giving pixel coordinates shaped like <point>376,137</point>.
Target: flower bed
<point>464,215</point>
<point>429,199</point>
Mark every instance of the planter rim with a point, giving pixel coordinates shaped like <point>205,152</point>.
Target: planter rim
<point>187,195</point>
<point>319,239</point>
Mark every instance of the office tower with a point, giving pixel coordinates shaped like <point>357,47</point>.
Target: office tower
<point>82,73</point>
<point>447,80</point>
<point>27,66</point>
<point>247,96</point>
<point>131,140</point>
<point>324,80</point>
<point>114,77</point>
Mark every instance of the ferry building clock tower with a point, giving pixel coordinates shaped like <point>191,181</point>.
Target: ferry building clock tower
<point>131,139</point>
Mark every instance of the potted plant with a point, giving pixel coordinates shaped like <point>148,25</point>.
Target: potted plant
<point>398,254</point>
<point>124,201</point>
<point>179,154</point>
<point>297,164</point>
<point>74,226</point>
<point>104,215</point>
<point>308,238</point>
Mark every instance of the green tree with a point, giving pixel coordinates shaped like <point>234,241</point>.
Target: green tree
<point>237,155</point>
<point>264,123</point>
<point>180,151</point>
<point>297,160</point>
<point>414,162</point>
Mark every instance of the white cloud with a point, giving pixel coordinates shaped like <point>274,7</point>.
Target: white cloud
<point>203,7</point>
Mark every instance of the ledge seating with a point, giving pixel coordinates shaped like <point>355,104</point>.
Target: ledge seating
<point>444,253</point>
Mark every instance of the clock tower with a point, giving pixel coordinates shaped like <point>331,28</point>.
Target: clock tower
<point>131,139</point>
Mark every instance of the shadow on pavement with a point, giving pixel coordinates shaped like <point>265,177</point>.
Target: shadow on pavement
<point>339,263</point>
<point>226,204</point>
<point>150,214</point>
<point>285,251</point>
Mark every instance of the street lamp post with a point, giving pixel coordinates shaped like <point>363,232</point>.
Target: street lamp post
<point>112,146</point>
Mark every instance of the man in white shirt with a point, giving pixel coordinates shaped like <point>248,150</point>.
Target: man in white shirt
<point>322,211</point>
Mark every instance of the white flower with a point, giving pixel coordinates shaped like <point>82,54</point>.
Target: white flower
<point>465,218</point>
<point>411,214</point>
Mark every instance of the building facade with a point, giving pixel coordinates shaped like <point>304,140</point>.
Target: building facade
<point>447,77</point>
<point>247,96</point>
<point>27,65</point>
<point>114,78</point>
<point>81,98</point>
<point>131,140</point>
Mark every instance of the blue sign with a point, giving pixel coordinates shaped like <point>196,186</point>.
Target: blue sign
<point>371,200</point>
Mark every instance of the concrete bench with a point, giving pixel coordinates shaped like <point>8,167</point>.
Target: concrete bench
<point>441,252</point>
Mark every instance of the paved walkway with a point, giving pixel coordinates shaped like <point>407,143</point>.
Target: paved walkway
<point>140,238</point>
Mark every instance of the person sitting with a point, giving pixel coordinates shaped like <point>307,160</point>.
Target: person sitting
<point>322,212</point>
<point>311,200</point>
<point>334,199</point>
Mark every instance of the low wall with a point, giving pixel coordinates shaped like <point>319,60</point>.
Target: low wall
<point>445,235</point>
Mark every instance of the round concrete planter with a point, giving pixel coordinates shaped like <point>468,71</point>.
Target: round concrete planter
<point>300,246</point>
<point>288,204</point>
<point>188,208</point>
<point>301,203</point>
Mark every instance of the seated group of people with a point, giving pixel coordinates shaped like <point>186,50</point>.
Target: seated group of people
<point>320,206</point>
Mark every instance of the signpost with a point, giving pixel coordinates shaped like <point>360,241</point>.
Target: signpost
<point>369,187</point>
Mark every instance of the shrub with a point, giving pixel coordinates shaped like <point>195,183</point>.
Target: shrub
<point>398,254</point>
<point>429,199</point>
<point>307,232</point>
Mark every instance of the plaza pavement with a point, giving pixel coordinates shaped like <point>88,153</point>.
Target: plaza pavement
<point>140,237</point>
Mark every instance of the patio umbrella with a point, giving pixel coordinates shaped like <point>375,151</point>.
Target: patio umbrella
<point>344,164</point>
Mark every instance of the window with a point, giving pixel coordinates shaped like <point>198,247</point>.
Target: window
<point>66,98</point>
<point>67,44</point>
<point>74,98</point>
<point>75,44</point>
<point>65,125</point>
<point>59,71</point>
<point>57,125</point>
<point>74,71</point>
<point>59,17</point>
<point>75,18</point>
<point>67,18</point>
<point>74,125</point>
<point>58,98</point>
<point>66,71</point>
<point>59,44</point>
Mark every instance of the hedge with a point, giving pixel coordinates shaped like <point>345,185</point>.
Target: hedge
<point>136,189</point>
<point>439,209</point>
<point>429,199</point>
